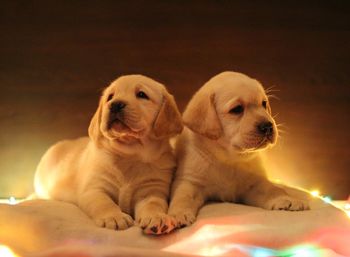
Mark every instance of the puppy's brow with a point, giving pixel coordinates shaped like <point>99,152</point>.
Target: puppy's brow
<point>148,90</point>
<point>233,101</point>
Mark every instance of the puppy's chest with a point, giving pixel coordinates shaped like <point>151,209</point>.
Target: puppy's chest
<point>129,176</point>
<point>223,183</point>
<point>126,182</point>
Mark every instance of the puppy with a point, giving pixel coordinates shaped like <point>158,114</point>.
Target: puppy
<point>125,167</point>
<point>228,123</point>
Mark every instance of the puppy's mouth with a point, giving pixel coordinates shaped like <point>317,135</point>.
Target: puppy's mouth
<point>256,143</point>
<point>118,124</point>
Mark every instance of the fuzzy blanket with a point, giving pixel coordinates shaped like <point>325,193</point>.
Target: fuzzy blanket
<point>40,228</point>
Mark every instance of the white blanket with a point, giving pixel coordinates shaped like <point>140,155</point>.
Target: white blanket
<point>51,228</point>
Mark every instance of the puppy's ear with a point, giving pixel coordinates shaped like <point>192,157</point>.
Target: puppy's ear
<point>94,128</point>
<point>201,116</point>
<point>168,122</point>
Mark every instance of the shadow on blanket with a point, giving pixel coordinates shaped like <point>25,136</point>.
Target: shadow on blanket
<point>52,228</point>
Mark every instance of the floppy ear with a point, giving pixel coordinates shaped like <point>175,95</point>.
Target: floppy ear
<point>201,117</point>
<point>94,128</point>
<point>168,122</point>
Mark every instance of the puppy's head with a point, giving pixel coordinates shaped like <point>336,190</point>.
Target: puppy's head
<point>233,109</point>
<point>133,108</point>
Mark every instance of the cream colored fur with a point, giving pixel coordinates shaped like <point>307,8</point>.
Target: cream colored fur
<point>124,168</point>
<point>219,151</point>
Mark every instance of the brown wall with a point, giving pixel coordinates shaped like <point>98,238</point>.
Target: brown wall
<point>55,56</point>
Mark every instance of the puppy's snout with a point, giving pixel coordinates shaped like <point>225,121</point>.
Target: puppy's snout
<point>117,106</point>
<point>266,128</point>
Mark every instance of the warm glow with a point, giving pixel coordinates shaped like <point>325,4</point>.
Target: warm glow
<point>347,209</point>
<point>327,199</point>
<point>229,237</point>
<point>208,240</point>
<point>315,193</point>
<point>6,252</point>
<point>303,251</point>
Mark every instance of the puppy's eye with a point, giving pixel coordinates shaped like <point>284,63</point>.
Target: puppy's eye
<point>142,95</point>
<point>264,103</point>
<point>237,110</point>
<point>110,96</point>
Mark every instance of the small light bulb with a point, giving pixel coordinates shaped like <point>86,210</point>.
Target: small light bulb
<point>347,206</point>
<point>12,200</point>
<point>327,199</point>
<point>315,193</point>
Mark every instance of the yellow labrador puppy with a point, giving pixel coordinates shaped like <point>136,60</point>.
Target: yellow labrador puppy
<point>124,168</point>
<point>228,123</point>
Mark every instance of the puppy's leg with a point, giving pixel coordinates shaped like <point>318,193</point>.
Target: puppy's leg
<point>185,203</point>
<point>103,210</point>
<point>150,211</point>
<point>266,195</point>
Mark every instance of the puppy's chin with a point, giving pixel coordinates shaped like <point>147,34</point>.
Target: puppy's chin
<point>255,143</point>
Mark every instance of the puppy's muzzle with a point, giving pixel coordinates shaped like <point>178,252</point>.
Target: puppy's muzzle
<point>117,107</point>
<point>266,129</point>
<point>117,114</point>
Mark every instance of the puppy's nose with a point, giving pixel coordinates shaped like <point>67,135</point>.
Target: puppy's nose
<point>265,128</point>
<point>117,106</point>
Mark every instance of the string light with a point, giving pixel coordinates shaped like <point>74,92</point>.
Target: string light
<point>12,200</point>
<point>315,193</point>
<point>327,199</point>
<point>301,251</point>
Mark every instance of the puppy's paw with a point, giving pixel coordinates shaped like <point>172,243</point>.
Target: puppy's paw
<point>287,203</point>
<point>184,218</point>
<point>117,221</point>
<point>157,224</point>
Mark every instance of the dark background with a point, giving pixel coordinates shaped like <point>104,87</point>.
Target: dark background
<point>55,56</point>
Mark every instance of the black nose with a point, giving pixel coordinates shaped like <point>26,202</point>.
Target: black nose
<point>117,106</point>
<point>265,128</point>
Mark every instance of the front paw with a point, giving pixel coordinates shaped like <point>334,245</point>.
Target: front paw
<point>287,203</point>
<point>116,221</point>
<point>183,218</point>
<point>156,224</point>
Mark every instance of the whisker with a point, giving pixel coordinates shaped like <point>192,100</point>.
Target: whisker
<point>282,131</point>
<point>270,88</point>
<point>281,125</point>
<point>274,116</point>
<point>273,96</point>
<point>282,128</point>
